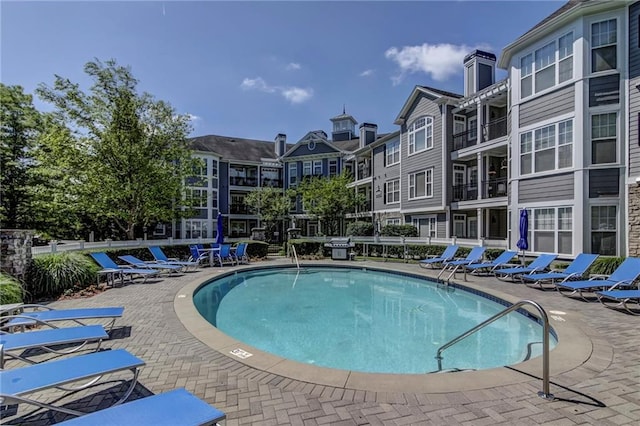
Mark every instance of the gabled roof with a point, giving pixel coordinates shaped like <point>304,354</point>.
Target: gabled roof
<point>423,90</point>
<point>571,9</point>
<point>232,148</point>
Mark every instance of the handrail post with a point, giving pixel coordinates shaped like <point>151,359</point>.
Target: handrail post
<point>545,393</point>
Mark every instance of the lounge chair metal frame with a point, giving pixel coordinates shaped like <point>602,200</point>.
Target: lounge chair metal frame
<point>437,261</point>
<point>48,340</point>
<point>576,270</point>
<point>623,276</point>
<point>22,381</point>
<point>539,264</point>
<point>160,267</point>
<point>46,315</point>
<point>106,262</point>
<point>161,258</point>
<point>620,299</point>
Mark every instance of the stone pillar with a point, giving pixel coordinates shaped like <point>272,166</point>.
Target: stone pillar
<point>15,252</point>
<point>634,220</point>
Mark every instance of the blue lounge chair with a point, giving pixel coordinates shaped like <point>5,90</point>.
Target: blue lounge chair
<point>176,407</point>
<point>620,299</point>
<point>224,255</point>
<point>160,267</point>
<point>446,255</point>
<point>197,255</point>
<point>489,267</point>
<point>539,264</point>
<point>240,253</point>
<point>105,262</point>
<point>474,256</point>
<point>574,271</point>
<point>49,340</point>
<point>49,315</point>
<point>17,383</point>
<point>160,257</point>
<point>623,276</point>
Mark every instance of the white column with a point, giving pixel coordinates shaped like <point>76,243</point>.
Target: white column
<point>480,225</point>
<point>480,175</point>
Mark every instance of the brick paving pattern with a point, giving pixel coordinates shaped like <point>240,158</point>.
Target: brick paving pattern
<point>603,391</point>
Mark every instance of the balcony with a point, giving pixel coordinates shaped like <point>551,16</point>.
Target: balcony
<point>465,139</point>
<point>239,208</point>
<point>465,192</point>
<point>243,181</point>
<point>495,129</point>
<point>272,183</point>
<point>494,188</point>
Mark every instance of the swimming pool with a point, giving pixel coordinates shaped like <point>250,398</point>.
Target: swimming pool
<point>364,320</point>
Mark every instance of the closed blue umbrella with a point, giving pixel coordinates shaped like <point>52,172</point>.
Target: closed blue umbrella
<point>220,230</point>
<point>523,242</point>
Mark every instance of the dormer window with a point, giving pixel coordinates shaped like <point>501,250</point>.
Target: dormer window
<point>311,145</point>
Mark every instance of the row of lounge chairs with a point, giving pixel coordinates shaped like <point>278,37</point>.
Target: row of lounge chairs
<point>618,291</point>
<point>18,385</point>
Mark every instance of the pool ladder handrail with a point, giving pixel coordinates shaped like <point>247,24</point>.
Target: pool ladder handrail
<point>295,255</point>
<point>545,341</point>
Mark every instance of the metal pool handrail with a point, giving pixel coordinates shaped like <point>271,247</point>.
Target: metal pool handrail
<point>545,341</point>
<point>295,255</point>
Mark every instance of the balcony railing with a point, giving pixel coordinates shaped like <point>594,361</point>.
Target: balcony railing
<point>494,188</point>
<point>272,183</point>
<point>236,208</point>
<point>243,181</point>
<point>495,129</point>
<point>465,139</point>
<point>465,192</point>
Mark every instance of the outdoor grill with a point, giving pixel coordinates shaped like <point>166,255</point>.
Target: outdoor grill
<point>340,248</point>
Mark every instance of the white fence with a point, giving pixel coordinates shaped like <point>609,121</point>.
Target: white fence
<point>54,246</point>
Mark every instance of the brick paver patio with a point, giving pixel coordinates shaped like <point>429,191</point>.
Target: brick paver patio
<point>604,390</point>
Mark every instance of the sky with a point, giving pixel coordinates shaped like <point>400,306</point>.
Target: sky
<point>253,69</point>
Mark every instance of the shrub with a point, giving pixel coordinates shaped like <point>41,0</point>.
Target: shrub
<point>11,290</point>
<point>399,231</point>
<point>360,229</point>
<point>52,274</point>
<point>605,265</point>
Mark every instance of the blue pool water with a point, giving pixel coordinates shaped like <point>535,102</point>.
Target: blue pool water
<point>364,320</point>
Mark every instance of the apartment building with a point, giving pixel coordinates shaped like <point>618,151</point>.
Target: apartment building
<point>558,137</point>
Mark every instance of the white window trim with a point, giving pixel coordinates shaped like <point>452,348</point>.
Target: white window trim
<point>556,145</point>
<point>428,183</point>
<point>392,153</point>
<point>433,224</point>
<point>333,162</point>
<point>307,165</point>
<point>394,181</point>
<point>411,131</point>
<point>555,39</point>
<point>556,229</point>
<point>619,43</point>
<point>619,148</point>
<point>293,177</point>
<point>319,164</point>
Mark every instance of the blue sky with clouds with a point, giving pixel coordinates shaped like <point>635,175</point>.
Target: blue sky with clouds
<point>255,69</point>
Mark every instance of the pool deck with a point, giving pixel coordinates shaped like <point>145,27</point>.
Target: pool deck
<point>595,370</point>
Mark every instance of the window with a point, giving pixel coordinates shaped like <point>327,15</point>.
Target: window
<point>333,167</point>
<point>197,197</point>
<point>603,230</point>
<point>603,138</point>
<point>392,153</point>
<point>604,45</point>
<point>471,79</point>
<point>317,167</point>
<point>393,221</point>
<point>473,128</point>
<point>547,66</point>
<point>293,174</point>
<point>393,191</point>
<point>306,168</point>
<point>459,225</point>
<point>547,148</point>
<point>194,228</point>
<point>199,173</point>
<point>421,135</point>
<point>552,230</point>
<point>426,226</point>
<point>421,184</point>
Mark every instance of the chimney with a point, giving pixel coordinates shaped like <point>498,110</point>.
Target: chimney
<point>280,144</point>
<point>368,133</point>
<point>479,71</point>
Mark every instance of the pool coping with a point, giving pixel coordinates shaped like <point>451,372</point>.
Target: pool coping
<point>575,349</point>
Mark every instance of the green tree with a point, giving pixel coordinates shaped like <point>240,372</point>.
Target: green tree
<point>20,124</point>
<point>130,155</point>
<point>272,206</point>
<point>329,200</point>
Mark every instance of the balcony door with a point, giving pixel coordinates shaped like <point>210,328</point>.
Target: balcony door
<point>459,180</point>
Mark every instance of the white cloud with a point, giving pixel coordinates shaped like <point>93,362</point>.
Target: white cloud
<point>256,84</point>
<point>193,117</point>
<point>366,73</point>
<point>295,95</point>
<point>441,61</point>
<point>293,66</point>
